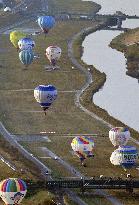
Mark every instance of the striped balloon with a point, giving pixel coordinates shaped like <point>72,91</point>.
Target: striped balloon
<point>82,146</point>
<point>45,95</point>
<point>126,156</point>
<point>12,190</point>
<point>26,57</point>
<point>46,23</point>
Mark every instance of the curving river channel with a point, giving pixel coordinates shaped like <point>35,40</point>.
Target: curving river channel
<point>120,94</point>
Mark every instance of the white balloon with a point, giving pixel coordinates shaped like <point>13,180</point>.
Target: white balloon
<point>125,156</point>
<point>11,198</point>
<point>45,95</point>
<point>53,53</point>
<point>6,9</point>
<point>119,136</point>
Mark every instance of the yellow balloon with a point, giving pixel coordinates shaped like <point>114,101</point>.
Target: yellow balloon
<point>15,36</point>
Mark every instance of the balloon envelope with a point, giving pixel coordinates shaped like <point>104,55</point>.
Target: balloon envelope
<point>12,190</point>
<point>46,23</point>
<point>119,136</point>
<point>53,53</point>
<point>26,43</point>
<point>45,95</point>
<point>82,146</point>
<point>125,156</point>
<point>26,57</point>
<point>15,36</point>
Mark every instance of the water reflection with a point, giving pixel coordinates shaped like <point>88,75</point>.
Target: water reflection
<point>120,94</point>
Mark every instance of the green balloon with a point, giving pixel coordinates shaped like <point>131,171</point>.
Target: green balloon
<point>26,57</point>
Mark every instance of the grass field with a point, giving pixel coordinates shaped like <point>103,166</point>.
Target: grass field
<point>64,113</point>
<point>21,79</point>
<point>67,6</point>
<point>128,44</point>
<point>63,117</point>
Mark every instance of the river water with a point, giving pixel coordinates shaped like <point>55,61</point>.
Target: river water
<point>120,94</point>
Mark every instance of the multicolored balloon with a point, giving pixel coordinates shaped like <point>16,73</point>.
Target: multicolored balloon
<point>46,23</point>
<point>26,57</point>
<point>15,36</point>
<point>12,190</point>
<point>53,53</point>
<point>119,136</point>
<point>45,95</point>
<point>82,147</point>
<point>26,44</point>
<point>125,156</point>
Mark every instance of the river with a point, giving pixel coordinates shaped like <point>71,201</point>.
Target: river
<point>120,94</point>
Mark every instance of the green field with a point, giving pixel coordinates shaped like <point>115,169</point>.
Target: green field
<point>21,115</point>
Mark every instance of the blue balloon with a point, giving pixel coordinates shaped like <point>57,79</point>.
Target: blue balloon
<point>130,155</point>
<point>45,95</point>
<point>26,57</point>
<point>46,23</point>
<point>125,156</point>
<point>26,43</point>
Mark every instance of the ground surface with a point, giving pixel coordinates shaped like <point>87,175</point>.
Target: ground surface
<point>128,44</point>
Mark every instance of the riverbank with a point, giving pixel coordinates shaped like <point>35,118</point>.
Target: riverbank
<point>127,43</point>
<point>98,82</point>
<point>67,7</point>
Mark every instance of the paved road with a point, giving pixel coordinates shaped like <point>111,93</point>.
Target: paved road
<point>89,80</point>
<point>10,138</point>
<point>31,138</point>
<point>76,173</point>
<point>46,172</point>
<point>9,164</point>
<point>88,77</point>
<point>66,165</point>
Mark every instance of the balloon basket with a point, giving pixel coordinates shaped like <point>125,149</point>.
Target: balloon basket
<point>25,69</point>
<point>36,56</point>
<point>51,68</point>
<point>36,33</point>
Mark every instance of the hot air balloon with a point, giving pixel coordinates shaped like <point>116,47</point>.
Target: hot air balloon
<point>26,44</point>
<point>46,23</point>
<point>119,136</point>
<point>53,53</point>
<point>15,36</point>
<point>83,147</point>
<point>45,95</point>
<point>12,191</point>
<point>26,57</point>
<point>125,156</point>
